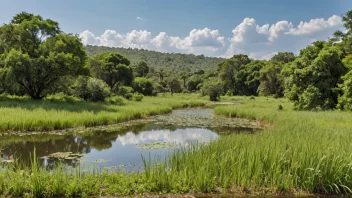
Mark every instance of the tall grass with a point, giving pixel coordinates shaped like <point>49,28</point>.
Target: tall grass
<point>298,151</point>
<point>23,114</point>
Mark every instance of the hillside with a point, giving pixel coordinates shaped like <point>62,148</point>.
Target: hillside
<point>158,60</point>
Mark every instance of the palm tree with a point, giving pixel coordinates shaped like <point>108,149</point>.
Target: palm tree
<point>161,73</point>
<point>184,77</point>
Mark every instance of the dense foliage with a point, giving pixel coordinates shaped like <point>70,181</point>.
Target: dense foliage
<point>174,62</point>
<point>37,59</point>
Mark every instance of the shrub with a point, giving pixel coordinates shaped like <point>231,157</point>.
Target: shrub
<point>62,97</point>
<point>280,107</point>
<point>138,97</point>
<point>91,89</point>
<point>129,96</point>
<point>125,91</point>
<point>143,86</point>
<point>116,100</point>
<point>252,98</point>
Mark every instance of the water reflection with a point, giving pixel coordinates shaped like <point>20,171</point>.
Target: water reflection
<point>106,148</point>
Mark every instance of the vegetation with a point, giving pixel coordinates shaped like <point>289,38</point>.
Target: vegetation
<point>298,152</point>
<point>306,150</point>
<point>173,62</point>
<point>24,114</point>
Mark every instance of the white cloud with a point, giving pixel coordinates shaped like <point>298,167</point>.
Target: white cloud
<point>197,42</point>
<point>315,25</point>
<point>141,18</point>
<point>260,41</point>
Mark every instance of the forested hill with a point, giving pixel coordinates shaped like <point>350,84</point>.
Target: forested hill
<point>159,60</point>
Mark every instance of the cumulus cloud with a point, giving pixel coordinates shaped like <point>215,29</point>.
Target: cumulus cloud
<point>197,42</point>
<point>259,41</point>
<point>263,41</point>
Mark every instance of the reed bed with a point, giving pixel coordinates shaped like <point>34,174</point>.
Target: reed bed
<point>23,114</point>
<point>297,152</point>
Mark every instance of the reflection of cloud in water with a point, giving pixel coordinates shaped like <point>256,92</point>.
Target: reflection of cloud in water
<point>179,136</point>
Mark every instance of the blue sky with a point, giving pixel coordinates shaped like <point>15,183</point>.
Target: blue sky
<point>212,27</point>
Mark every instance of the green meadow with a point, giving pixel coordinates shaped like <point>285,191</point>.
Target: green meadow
<point>62,112</point>
<point>296,153</point>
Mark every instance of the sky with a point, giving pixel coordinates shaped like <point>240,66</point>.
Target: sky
<point>219,28</point>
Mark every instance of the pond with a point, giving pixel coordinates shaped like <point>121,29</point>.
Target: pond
<point>123,148</point>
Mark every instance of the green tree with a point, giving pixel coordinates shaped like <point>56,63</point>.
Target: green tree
<point>141,69</point>
<point>161,74</point>
<point>143,86</point>
<point>91,89</point>
<point>271,80</point>
<point>311,81</point>
<point>194,81</point>
<point>36,54</point>
<point>175,86</point>
<point>345,99</point>
<point>228,69</point>
<point>184,77</point>
<point>285,57</point>
<point>247,78</point>
<point>113,68</point>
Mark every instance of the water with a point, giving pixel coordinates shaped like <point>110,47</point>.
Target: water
<point>118,149</point>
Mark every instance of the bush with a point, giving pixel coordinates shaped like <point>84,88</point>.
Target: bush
<point>91,89</point>
<point>125,91</point>
<point>138,97</point>
<point>116,100</point>
<point>62,97</point>
<point>143,86</point>
<point>252,98</point>
<point>280,107</point>
<point>129,96</point>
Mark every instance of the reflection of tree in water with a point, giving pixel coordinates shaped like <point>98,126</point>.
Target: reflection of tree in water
<point>22,151</point>
<point>22,147</point>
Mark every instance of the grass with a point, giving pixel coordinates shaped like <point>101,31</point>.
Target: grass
<point>24,114</point>
<point>298,152</point>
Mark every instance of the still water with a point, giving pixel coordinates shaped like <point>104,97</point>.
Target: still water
<point>118,149</point>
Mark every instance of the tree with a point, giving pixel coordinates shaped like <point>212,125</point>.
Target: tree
<point>345,99</point>
<point>143,86</point>
<point>311,81</point>
<point>36,54</point>
<point>175,86</point>
<point>161,73</point>
<point>285,57</point>
<point>247,78</point>
<point>229,68</point>
<point>194,81</point>
<point>141,69</point>
<point>184,77</point>
<point>213,88</point>
<point>91,89</point>
<point>271,80</point>
<point>113,68</point>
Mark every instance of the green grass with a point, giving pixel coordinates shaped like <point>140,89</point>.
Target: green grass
<point>298,151</point>
<point>23,114</point>
<point>306,152</point>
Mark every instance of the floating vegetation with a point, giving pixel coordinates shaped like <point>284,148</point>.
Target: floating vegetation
<point>204,118</point>
<point>66,155</point>
<point>155,145</point>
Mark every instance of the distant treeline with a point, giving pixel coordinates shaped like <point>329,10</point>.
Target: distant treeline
<point>173,62</point>
<point>37,59</point>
